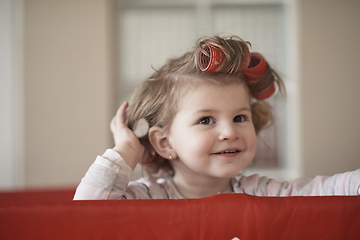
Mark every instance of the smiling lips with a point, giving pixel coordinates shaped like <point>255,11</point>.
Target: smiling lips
<point>228,152</point>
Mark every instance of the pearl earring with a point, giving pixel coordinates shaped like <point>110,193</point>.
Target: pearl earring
<point>170,158</point>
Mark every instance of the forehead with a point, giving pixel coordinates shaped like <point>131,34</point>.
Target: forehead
<point>216,97</point>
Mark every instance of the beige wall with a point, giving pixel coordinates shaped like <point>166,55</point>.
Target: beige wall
<point>69,86</point>
<point>330,85</point>
<point>68,75</point>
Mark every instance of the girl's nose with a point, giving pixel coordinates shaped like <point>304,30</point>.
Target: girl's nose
<point>228,132</point>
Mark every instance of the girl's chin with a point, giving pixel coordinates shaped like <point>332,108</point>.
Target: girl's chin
<point>232,172</point>
<point>229,174</point>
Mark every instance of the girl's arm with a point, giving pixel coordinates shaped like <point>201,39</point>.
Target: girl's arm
<point>108,178</point>
<point>340,184</point>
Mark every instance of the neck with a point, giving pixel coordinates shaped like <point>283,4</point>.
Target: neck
<point>201,187</point>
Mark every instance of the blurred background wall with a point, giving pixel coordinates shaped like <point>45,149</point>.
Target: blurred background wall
<point>68,88</point>
<point>329,78</point>
<point>67,85</point>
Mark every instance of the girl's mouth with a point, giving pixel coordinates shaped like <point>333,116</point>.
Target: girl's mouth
<point>228,152</point>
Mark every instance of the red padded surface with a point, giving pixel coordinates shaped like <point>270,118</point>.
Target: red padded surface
<point>59,194</point>
<point>219,217</point>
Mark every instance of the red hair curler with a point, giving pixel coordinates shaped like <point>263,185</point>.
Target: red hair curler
<point>253,68</point>
<point>264,94</point>
<point>211,61</point>
<point>247,60</point>
<point>152,160</point>
<point>256,68</point>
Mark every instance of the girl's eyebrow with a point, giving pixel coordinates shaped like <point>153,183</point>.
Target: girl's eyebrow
<point>209,110</point>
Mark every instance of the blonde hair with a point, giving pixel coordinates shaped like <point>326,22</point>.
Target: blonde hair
<point>156,99</point>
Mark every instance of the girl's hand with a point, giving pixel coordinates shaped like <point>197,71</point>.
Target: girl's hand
<point>126,142</point>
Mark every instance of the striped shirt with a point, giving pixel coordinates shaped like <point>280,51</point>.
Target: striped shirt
<point>108,178</point>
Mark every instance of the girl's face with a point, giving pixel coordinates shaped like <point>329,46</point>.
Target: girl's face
<point>213,134</point>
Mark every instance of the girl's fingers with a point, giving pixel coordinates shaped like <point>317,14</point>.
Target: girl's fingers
<point>119,118</point>
<point>112,124</point>
<point>120,115</point>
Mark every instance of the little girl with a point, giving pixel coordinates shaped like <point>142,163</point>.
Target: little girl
<point>192,125</point>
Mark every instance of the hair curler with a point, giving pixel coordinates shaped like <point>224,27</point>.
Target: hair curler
<point>141,128</point>
<point>253,67</point>
<point>256,69</point>
<point>211,61</point>
<point>268,92</point>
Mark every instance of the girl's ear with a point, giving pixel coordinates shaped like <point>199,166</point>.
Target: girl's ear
<point>160,142</point>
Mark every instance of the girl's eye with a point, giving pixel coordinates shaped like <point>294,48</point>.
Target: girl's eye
<point>240,118</point>
<point>206,120</point>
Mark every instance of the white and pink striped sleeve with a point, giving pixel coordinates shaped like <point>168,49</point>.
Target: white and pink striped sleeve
<point>345,184</point>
